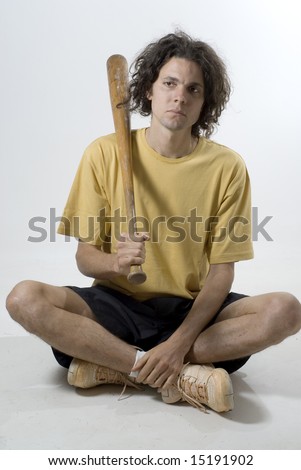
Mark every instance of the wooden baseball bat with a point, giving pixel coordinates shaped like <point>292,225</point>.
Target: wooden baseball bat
<point>117,69</point>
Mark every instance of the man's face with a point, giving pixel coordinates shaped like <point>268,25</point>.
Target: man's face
<point>177,95</point>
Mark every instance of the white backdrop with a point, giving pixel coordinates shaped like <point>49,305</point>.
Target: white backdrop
<point>54,101</point>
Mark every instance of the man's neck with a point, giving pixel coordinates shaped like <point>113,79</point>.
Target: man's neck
<point>171,144</point>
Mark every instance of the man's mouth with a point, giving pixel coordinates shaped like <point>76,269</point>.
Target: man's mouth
<point>177,112</point>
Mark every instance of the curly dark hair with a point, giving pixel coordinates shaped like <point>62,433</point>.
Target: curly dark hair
<point>146,70</point>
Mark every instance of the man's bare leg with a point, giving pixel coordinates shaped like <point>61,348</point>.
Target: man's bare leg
<point>243,328</point>
<point>247,326</point>
<point>62,319</point>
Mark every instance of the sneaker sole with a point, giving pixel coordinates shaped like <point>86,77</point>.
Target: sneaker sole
<point>74,376</point>
<point>72,373</point>
<point>222,399</point>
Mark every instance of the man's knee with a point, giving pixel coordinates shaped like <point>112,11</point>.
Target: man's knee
<point>24,304</point>
<point>286,310</point>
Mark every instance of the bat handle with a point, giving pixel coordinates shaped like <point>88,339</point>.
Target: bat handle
<point>136,275</point>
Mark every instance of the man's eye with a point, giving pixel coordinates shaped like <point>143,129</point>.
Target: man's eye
<point>169,83</point>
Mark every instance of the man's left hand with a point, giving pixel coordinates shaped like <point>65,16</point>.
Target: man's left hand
<point>160,367</point>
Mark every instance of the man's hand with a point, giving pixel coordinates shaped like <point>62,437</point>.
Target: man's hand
<point>130,251</point>
<point>160,367</point>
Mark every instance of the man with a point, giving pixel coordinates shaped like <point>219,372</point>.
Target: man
<point>182,331</point>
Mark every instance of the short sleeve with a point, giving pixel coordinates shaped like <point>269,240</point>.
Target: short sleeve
<point>230,229</point>
<point>83,216</point>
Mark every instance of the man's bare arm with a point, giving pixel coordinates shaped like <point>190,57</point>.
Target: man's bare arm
<point>207,303</point>
<point>93,262</point>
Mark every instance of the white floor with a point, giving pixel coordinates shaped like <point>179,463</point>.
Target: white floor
<point>39,410</point>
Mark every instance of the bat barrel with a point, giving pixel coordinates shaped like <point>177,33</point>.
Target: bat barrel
<point>117,69</point>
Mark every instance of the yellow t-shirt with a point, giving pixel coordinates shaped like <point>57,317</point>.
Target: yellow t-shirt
<point>196,208</point>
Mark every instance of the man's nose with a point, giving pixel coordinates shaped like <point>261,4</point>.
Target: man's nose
<point>180,95</point>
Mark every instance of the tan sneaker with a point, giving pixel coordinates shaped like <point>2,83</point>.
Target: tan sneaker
<point>84,374</point>
<point>202,385</point>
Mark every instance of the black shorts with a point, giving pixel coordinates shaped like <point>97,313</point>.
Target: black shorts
<point>142,324</point>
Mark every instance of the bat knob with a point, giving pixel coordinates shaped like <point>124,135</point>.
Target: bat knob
<point>136,276</point>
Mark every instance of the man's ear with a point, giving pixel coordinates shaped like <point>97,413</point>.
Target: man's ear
<point>149,95</point>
